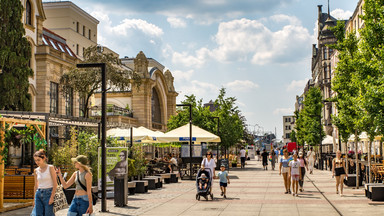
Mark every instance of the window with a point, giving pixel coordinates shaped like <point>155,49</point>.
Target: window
<point>77,27</point>
<point>326,71</point>
<point>69,103</point>
<point>286,127</point>
<point>289,127</point>
<point>325,52</point>
<point>81,106</point>
<point>84,31</point>
<point>89,34</point>
<point>287,136</point>
<point>28,14</point>
<point>54,98</point>
<point>156,108</point>
<point>77,49</point>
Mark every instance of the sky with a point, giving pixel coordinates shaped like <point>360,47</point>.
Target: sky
<point>259,50</point>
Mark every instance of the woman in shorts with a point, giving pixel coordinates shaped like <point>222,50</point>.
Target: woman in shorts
<point>338,170</point>
<point>284,168</point>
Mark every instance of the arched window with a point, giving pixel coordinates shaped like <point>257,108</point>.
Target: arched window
<point>156,108</point>
<point>28,14</point>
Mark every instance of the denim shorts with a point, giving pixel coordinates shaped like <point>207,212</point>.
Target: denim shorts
<point>42,207</point>
<point>79,205</point>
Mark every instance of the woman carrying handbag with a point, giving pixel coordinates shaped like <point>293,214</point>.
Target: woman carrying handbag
<point>82,201</point>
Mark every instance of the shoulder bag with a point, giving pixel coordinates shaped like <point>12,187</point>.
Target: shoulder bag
<point>94,196</point>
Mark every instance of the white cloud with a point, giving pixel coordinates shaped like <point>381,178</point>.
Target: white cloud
<point>198,88</point>
<point>297,85</point>
<point>283,18</point>
<point>241,85</point>
<point>283,111</point>
<point>137,24</point>
<point>176,22</point>
<point>341,14</point>
<point>244,40</point>
<point>182,75</point>
<point>187,60</point>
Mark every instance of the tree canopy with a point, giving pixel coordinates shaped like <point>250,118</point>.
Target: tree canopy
<point>88,81</point>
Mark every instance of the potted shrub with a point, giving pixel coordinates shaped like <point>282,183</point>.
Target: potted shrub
<point>234,161</point>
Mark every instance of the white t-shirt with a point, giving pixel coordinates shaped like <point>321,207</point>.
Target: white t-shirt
<point>174,161</point>
<point>242,153</point>
<point>209,164</point>
<point>310,155</point>
<point>295,166</point>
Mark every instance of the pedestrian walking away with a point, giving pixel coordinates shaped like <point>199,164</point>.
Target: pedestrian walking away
<point>243,156</point>
<point>311,159</point>
<point>338,170</point>
<point>265,155</point>
<point>258,154</point>
<point>224,180</point>
<point>82,200</point>
<point>273,156</point>
<point>303,167</point>
<point>45,185</point>
<point>284,168</point>
<point>295,174</point>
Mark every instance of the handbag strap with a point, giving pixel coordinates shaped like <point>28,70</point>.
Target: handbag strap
<point>81,184</point>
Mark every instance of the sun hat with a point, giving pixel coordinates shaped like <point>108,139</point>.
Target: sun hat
<point>203,176</point>
<point>222,165</point>
<point>80,159</point>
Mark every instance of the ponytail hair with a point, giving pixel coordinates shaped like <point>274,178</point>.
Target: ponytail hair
<point>41,154</point>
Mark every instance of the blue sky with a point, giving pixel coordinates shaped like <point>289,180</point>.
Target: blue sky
<point>259,50</point>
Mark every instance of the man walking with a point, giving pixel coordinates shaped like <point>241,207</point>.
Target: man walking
<point>311,159</point>
<point>242,157</point>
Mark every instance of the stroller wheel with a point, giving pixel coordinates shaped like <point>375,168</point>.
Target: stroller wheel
<point>197,196</point>
<point>211,196</point>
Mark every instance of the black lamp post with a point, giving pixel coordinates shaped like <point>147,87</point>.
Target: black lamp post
<point>190,137</point>
<point>103,129</point>
<point>218,133</point>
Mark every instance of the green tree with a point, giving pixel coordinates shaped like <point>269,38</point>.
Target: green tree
<point>311,115</point>
<point>88,81</point>
<point>15,54</point>
<point>299,129</point>
<point>347,85</point>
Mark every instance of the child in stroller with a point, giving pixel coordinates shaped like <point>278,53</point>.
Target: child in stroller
<point>203,184</point>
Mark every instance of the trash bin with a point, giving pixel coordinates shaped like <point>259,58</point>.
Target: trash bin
<point>121,190</point>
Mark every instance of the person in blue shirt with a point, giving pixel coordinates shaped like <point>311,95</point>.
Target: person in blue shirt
<point>224,180</point>
<point>284,168</point>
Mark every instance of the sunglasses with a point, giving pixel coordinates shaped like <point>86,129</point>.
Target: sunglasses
<point>208,154</point>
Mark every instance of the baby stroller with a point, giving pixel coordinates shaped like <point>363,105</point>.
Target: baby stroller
<point>207,191</point>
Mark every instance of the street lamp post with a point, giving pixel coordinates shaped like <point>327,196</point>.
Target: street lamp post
<point>218,134</point>
<point>103,129</point>
<point>190,137</point>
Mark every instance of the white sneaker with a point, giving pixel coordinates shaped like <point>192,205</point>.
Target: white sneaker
<point>341,195</point>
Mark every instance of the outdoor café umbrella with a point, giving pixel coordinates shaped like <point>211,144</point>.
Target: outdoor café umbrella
<point>181,134</point>
<point>125,134</point>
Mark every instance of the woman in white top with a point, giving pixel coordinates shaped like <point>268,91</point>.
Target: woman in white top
<point>45,186</point>
<point>311,160</point>
<point>209,163</point>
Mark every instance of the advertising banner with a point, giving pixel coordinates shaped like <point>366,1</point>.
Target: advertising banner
<point>117,164</point>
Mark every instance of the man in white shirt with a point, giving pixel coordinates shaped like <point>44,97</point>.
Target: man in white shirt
<point>242,157</point>
<point>311,160</point>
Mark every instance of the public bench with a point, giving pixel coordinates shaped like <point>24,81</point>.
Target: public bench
<point>377,192</point>
<point>19,186</point>
<point>141,186</point>
<point>166,177</point>
<point>151,183</point>
<point>159,181</point>
<point>131,188</point>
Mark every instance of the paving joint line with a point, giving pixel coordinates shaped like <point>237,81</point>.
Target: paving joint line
<point>333,206</point>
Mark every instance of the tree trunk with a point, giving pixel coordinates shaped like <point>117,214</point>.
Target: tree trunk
<point>369,161</point>
<point>346,158</point>
<point>357,160</point>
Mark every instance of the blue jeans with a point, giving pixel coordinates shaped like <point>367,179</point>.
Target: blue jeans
<point>42,207</point>
<point>79,205</point>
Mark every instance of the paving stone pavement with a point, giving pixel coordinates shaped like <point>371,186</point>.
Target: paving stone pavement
<point>253,191</point>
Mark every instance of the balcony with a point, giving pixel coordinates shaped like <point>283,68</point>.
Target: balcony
<point>112,110</point>
<point>115,115</point>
